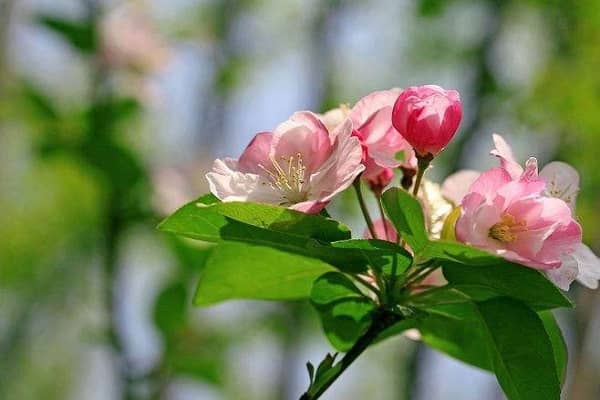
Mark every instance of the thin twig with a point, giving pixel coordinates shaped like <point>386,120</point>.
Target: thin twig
<point>363,207</point>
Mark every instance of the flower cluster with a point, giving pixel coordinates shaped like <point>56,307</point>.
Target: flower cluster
<point>525,216</point>
<point>514,211</point>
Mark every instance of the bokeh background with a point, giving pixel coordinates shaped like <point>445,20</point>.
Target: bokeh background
<point>111,112</point>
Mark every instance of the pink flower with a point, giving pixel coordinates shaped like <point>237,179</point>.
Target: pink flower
<point>513,219</point>
<point>372,122</point>
<point>371,119</point>
<point>299,165</point>
<point>384,230</point>
<point>427,117</point>
<point>561,183</point>
<point>562,180</point>
<point>378,182</point>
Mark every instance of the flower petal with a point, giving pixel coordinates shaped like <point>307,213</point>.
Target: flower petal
<point>457,185</point>
<point>562,181</point>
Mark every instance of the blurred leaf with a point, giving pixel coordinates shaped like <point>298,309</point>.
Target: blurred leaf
<point>407,216</point>
<point>106,115</point>
<point>344,311</point>
<point>520,350</point>
<point>80,34</point>
<point>170,308</point>
<point>243,271</point>
<point>119,166</point>
<point>431,8</point>
<point>39,102</point>
<point>199,355</point>
<point>192,255</point>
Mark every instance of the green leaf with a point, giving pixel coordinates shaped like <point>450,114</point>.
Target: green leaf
<point>520,350</point>
<point>379,254</point>
<point>344,310</point>
<point>243,271</point>
<point>170,308</point>
<point>452,324</point>
<point>475,270</point>
<point>558,344</point>
<point>283,229</point>
<point>454,327</point>
<point>210,220</point>
<point>80,35</point>
<point>324,371</point>
<point>407,216</point>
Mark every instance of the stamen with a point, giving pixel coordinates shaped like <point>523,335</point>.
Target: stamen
<point>507,229</point>
<point>288,181</point>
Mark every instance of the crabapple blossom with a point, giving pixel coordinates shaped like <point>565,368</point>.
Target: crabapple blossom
<point>513,219</point>
<point>299,165</point>
<point>427,117</point>
<point>371,119</point>
<point>562,182</point>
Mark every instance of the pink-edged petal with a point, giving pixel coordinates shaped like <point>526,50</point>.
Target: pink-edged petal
<point>370,104</point>
<point>383,142</point>
<point>489,182</point>
<point>303,134</point>
<point>341,168</point>
<point>555,210</point>
<point>256,154</point>
<point>563,241</point>
<point>562,181</point>
<point>515,190</point>
<point>505,154</point>
<point>457,185</point>
<point>310,207</point>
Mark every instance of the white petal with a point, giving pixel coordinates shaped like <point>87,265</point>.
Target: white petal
<point>589,266</point>
<point>230,185</point>
<point>565,274</point>
<point>457,185</point>
<point>562,181</point>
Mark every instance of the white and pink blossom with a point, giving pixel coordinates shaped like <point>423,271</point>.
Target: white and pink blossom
<point>300,165</point>
<point>513,219</point>
<point>371,119</point>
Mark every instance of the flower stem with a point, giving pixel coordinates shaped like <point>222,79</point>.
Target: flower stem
<point>363,207</point>
<point>382,319</point>
<point>423,164</point>
<point>382,213</point>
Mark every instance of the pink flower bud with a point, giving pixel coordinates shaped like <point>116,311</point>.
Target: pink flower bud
<point>427,117</point>
<point>384,230</point>
<point>379,181</point>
